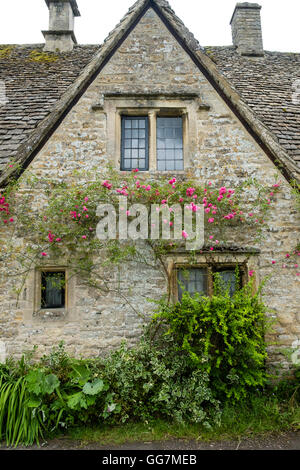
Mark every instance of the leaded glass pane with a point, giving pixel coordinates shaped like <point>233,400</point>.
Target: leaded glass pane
<point>228,276</point>
<point>169,143</point>
<point>193,280</point>
<point>53,290</point>
<point>134,147</point>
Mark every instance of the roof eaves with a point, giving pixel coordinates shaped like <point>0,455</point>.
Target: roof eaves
<point>264,137</point>
<point>37,139</point>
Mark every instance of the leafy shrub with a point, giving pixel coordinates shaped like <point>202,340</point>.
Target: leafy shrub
<point>33,399</point>
<point>211,350</point>
<point>150,382</point>
<point>141,383</point>
<point>223,336</point>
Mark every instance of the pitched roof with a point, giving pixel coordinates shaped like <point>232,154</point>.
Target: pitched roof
<point>267,85</point>
<point>52,89</point>
<point>33,84</point>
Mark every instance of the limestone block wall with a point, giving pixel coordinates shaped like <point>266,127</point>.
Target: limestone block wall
<point>151,62</point>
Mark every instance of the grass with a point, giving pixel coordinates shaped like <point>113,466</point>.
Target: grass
<point>262,416</point>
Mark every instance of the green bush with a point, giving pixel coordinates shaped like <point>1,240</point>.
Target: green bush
<point>195,357</point>
<point>141,383</point>
<point>33,398</point>
<point>150,382</point>
<point>224,337</point>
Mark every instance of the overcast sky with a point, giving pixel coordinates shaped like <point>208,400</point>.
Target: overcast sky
<point>21,21</point>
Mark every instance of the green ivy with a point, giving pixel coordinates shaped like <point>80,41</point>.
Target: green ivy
<point>224,336</point>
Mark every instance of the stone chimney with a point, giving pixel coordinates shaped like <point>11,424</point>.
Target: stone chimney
<point>60,37</point>
<point>246,29</point>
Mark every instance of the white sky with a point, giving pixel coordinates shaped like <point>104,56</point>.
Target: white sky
<point>21,21</point>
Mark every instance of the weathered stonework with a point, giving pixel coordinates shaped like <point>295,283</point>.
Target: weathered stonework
<point>151,71</point>
<point>246,29</point>
<point>60,36</point>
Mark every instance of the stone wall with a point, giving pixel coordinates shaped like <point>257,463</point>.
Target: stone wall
<point>151,62</point>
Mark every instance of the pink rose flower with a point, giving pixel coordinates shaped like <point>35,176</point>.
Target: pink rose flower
<point>50,237</point>
<point>190,191</point>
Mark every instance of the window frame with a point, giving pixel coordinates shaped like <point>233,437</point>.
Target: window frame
<point>163,116</point>
<point>38,307</point>
<point>189,268</point>
<point>211,269</point>
<point>115,112</point>
<point>125,118</point>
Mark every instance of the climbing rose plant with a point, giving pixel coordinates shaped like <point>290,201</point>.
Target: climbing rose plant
<point>58,220</point>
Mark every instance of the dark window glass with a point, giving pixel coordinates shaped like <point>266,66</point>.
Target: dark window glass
<point>169,146</point>
<point>53,289</point>
<point>192,280</point>
<point>228,276</point>
<point>134,145</point>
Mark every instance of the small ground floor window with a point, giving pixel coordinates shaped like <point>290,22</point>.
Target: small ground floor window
<point>201,279</point>
<point>53,284</point>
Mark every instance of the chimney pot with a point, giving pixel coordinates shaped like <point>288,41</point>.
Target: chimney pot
<point>246,29</point>
<point>60,36</point>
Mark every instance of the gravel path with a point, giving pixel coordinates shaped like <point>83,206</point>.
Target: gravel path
<point>287,441</point>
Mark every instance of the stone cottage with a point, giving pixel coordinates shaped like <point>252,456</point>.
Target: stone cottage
<point>217,113</point>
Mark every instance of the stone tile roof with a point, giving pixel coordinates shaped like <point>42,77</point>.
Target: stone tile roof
<point>266,85</point>
<point>33,83</point>
<point>40,91</point>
